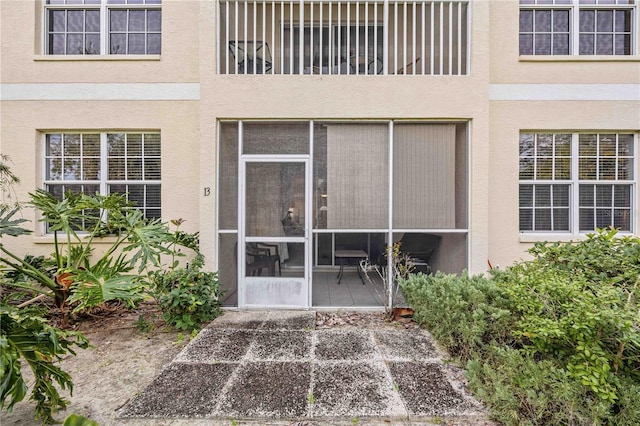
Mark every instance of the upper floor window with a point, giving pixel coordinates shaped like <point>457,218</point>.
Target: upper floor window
<point>577,27</point>
<point>105,163</point>
<point>577,182</point>
<point>94,27</point>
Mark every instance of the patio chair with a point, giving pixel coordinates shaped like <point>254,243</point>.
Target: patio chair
<point>258,258</point>
<point>263,252</point>
<point>420,249</point>
<point>244,52</point>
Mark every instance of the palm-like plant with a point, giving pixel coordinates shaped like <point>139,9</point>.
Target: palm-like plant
<point>135,244</point>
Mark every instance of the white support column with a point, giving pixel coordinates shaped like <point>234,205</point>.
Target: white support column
<point>301,37</point>
<point>423,34</point>
<point>450,70</point>
<point>385,37</point>
<point>432,44</point>
<point>440,71</point>
<point>255,38</point>
<point>390,224</point>
<point>244,42</point>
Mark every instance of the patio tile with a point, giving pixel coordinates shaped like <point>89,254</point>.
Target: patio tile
<point>268,389</point>
<point>425,389</point>
<point>289,320</point>
<point>354,389</point>
<point>281,345</point>
<point>214,345</point>
<point>349,344</point>
<point>404,345</point>
<point>243,320</point>
<point>181,390</point>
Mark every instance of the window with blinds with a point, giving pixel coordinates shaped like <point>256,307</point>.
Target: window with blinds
<point>106,163</point>
<point>576,182</point>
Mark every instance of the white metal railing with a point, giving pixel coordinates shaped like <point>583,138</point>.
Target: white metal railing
<point>379,37</point>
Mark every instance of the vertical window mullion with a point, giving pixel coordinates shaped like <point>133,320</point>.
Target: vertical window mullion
<point>574,207</point>
<point>104,168</point>
<point>574,28</point>
<point>105,33</point>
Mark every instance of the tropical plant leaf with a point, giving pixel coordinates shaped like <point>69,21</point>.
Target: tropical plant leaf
<point>9,225</point>
<point>26,336</point>
<point>103,282</point>
<point>146,240</point>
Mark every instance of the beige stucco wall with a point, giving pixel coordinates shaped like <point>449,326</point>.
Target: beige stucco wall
<point>352,97</point>
<point>189,127</point>
<point>508,67</point>
<point>507,120</point>
<point>24,124</point>
<point>23,61</point>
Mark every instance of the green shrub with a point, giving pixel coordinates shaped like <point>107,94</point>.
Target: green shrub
<point>602,257</point>
<point>588,327</point>
<point>520,390</point>
<point>463,313</point>
<point>554,340</point>
<point>187,296</point>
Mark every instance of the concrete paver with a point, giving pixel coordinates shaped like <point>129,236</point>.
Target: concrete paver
<point>275,366</point>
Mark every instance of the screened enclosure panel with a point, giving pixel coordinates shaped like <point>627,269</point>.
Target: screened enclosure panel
<point>228,268</point>
<point>275,138</point>
<point>424,165</point>
<point>228,176</point>
<point>357,176</point>
<point>274,199</point>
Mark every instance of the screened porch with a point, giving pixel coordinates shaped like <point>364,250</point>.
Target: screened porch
<point>299,201</point>
<point>379,37</point>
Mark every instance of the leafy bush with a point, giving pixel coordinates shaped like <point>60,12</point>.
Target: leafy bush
<point>603,256</point>
<point>26,336</point>
<point>521,390</point>
<point>588,327</point>
<point>187,296</point>
<point>463,313</point>
<point>554,340</point>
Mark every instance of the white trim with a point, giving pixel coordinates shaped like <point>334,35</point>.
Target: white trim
<point>564,92</point>
<point>100,91</point>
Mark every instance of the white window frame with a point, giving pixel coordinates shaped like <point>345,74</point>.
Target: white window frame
<point>103,181</point>
<point>105,7</point>
<point>574,7</point>
<point>575,182</point>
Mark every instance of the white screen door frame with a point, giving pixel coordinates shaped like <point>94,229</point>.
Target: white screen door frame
<point>291,289</point>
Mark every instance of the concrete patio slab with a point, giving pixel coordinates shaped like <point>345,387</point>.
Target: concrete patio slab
<point>347,344</point>
<point>281,345</point>
<point>266,367</point>
<point>267,390</point>
<point>181,390</point>
<point>354,389</point>
<point>214,345</point>
<point>426,390</point>
<point>290,320</point>
<point>398,345</point>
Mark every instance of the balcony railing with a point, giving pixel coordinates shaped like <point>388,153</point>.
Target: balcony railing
<point>380,37</point>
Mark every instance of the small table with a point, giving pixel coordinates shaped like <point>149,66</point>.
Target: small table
<point>341,255</point>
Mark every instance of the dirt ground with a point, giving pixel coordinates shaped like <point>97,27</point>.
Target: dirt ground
<point>122,361</point>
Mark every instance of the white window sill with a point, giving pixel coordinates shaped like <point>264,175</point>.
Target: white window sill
<point>579,58</point>
<point>67,58</point>
<point>535,238</point>
<point>48,239</point>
